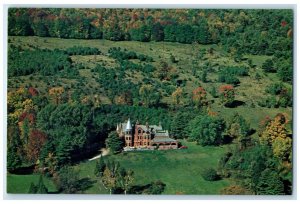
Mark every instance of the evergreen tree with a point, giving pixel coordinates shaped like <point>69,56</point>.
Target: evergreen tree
<point>41,188</point>
<point>32,188</point>
<point>157,32</point>
<point>270,183</point>
<point>203,35</point>
<point>14,159</point>
<point>268,66</point>
<point>213,92</point>
<point>204,76</point>
<point>100,167</point>
<point>114,143</point>
<point>179,124</point>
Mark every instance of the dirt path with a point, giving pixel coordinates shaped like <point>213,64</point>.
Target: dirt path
<point>104,152</point>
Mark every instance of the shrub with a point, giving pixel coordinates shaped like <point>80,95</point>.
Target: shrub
<point>275,89</point>
<point>268,66</point>
<point>210,174</point>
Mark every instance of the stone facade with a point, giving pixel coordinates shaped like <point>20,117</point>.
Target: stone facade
<point>145,136</point>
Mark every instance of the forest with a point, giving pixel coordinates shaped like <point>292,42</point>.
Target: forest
<point>220,80</point>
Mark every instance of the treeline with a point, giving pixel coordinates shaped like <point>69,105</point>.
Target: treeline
<point>249,31</point>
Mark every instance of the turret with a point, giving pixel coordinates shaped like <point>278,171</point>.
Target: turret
<point>118,128</point>
<point>128,127</point>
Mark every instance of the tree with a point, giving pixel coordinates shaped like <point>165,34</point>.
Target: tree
<point>19,104</point>
<point>113,142</point>
<point>36,141</point>
<point>148,95</point>
<point>68,128</point>
<point>242,125</point>
<point>14,145</point>
<point>177,96</point>
<point>285,71</point>
<point>207,130</point>
<point>164,70</point>
<point>239,128</point>
<point>213,92</point>
<point>227,94</point>
<point>50,162</point>
<point>32,189</point>
<point>56,93</point>
<point>110,175</point>
<point>204,76</point>
<point>276,136</point>
<point>180,123</point>
<point>40,188</point>
<point>100,167</point>
<point>268,66</point>
<point>203,36</point>
<point>68,180</point>
<point>157,32</point>
<point>125,98</point>
<point>270,183</point>
<point>199,97</point>
<point>125,179</point>
<point>210,174</point>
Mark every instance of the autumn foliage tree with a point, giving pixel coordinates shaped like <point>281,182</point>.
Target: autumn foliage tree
<point>276,136</point>
<point>227,94</point>
<point>199,97</point>
<point>56,94</point>
<point>177,96</point>
<point>35,143</point>
<point>19,102</point>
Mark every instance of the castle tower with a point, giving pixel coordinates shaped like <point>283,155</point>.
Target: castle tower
<point>128,134</point>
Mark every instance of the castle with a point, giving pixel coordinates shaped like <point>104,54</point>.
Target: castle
<point>145,136</point>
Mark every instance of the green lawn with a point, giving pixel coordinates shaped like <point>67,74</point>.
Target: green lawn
<point>178,169</point>
<point>20,183</point>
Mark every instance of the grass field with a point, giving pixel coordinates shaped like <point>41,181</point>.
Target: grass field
<point>20,183</point>
<point>178,169</point>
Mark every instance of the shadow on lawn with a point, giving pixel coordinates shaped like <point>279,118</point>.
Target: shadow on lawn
<point>156,187</point>
<point>85,183</point>
<point>235,104</point>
